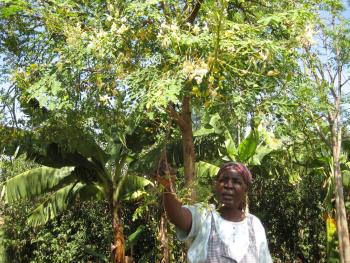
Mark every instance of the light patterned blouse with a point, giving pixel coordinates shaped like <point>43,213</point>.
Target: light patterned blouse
<point>215,240</point>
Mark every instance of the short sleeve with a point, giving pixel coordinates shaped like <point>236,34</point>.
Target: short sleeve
<point>198,216</point>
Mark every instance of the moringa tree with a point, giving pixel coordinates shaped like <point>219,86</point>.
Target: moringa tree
<point>158,57</point>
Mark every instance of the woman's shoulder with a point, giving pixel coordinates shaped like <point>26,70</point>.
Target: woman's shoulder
<point>256,222</point>
<point>200,210</point>
<point>257,226</point>
<point>254,218</point>
<point>203,207</point>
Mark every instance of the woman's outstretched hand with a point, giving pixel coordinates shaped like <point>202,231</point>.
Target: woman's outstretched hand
<point>166,181</point>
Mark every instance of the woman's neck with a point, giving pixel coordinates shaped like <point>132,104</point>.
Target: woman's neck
<point>232,214</point>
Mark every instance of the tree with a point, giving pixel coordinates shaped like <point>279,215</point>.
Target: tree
<point>317,98</point>
<point>79,172</point>
<point>329,80</point>
<point>204,53</point>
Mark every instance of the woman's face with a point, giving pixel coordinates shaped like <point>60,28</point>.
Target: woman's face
<point>230,189</point>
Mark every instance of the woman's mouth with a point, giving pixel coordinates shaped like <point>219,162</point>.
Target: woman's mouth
<point>227,196</point>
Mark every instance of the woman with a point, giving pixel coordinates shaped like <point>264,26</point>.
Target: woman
<point>223,235</point>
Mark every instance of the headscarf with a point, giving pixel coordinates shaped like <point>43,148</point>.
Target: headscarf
<point>239,168</point>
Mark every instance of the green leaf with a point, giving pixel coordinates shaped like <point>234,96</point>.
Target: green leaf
<point>230,146</point>
<point>260,153</point>
<point>346,178</point>
<point>206,170</point>
<point>91,192</point>
<point>87,147</point>
<point>12,9</point>
<point>203,131</point>
<point>247,147</point>
<point>134,237</point>
<point>54,204</point>
<point>215,122</point>
<point>35,182</point>
<point>131,185</point>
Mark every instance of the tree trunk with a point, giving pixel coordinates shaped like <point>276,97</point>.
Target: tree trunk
<point>184,120</point>
<point>188,147</point>
<point>118,246</point>
<point>163,239</point>
<point>342,225</point>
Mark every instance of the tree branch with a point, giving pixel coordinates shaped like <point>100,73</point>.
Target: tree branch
<point>165,7</point>
<point>346,81</point>
<point>194,12</point>
<point>176,116</point>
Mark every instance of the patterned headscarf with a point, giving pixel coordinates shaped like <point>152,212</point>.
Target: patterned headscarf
<point>240,168</point>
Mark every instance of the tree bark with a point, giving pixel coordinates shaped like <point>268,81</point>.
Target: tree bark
<point>184,120</point>
<point>336,125</point>
<point>163,239</point>
<point>188,146</point>
<point>118,246</point>
<point>342,225</point>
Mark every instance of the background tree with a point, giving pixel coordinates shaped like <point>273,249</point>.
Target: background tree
<point>325,66</point>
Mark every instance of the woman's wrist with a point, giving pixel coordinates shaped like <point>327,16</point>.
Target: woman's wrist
<point>166,183</point>
<point>168,188</point>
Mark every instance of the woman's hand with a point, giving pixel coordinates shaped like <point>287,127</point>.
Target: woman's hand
<point>166,181</point>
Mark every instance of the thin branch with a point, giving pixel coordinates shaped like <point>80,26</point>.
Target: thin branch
<point>165,7</point>
<point>194,12</point>
<point>176,116</point>
<point>331,77</point>
<point>346,81</point>
<point>317,126</point>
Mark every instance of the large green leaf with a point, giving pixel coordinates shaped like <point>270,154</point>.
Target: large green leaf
<point>216,123</point>
<point>247,147</point>
<point>230,146</point>
<point>134,237</point>
<point>89,148</point>
<point>206,170</point>
<point>52,155</point>
<point>61,199</point>
<point>73,148</point>
<point>203,132</point>
<point>92,192</point>
<point>35,182</point>
<point>131,186</point>
<point>54,204</point>
<point>260,153</point>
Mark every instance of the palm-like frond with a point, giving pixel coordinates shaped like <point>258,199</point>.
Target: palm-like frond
<point>61,200</point>
<point>133,186</point>
<point>206,170</point>
<point>49,151</point>
<point>55,203</point>
<point>35,182</point>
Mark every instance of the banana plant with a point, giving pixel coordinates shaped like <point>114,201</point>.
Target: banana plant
<point>82,172</point>
<point>251,150</point>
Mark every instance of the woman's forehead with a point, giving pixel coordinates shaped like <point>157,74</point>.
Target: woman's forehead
<point>230,173</point>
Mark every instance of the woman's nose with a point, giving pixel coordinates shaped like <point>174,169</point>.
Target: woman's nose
<point>229,184</point>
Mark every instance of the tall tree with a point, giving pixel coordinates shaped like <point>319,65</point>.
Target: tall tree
<point>320,96</point>
<point>163,56</point>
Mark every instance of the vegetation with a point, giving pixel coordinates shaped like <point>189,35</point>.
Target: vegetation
<point>97,93</point>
